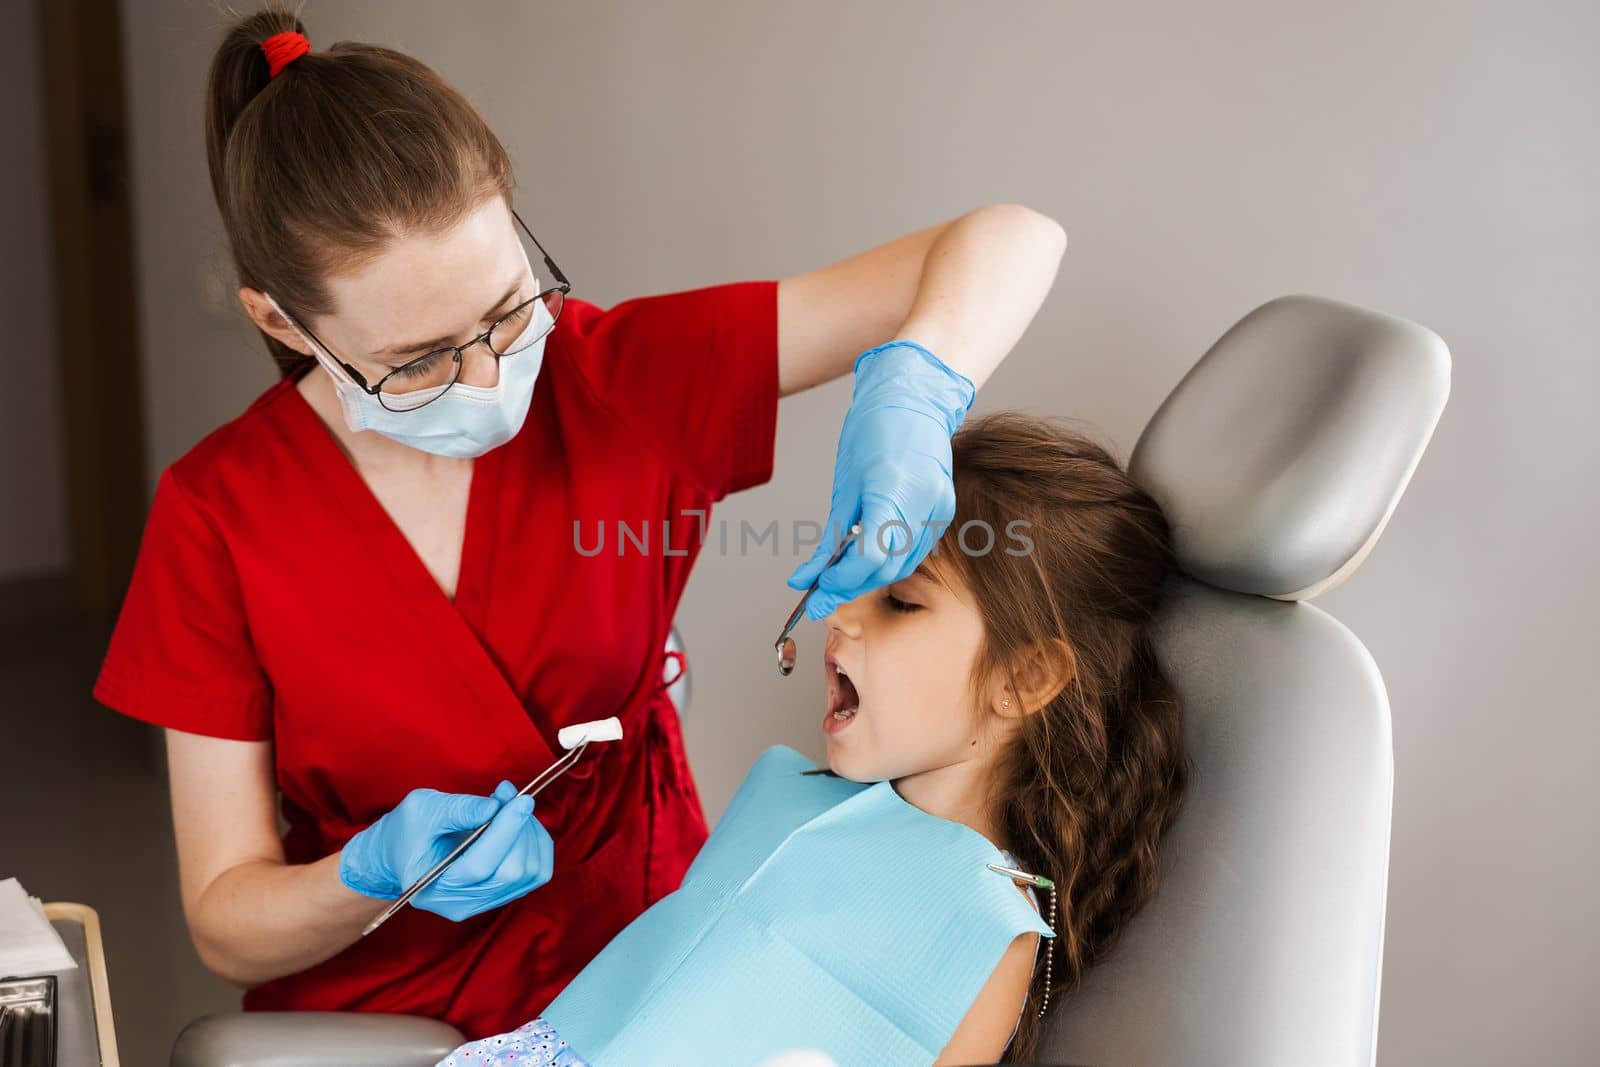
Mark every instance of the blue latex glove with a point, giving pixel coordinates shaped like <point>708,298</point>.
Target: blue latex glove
<point>515,855</point>
<point>891,474</point>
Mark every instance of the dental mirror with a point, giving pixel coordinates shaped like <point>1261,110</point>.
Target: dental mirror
<point>784,646</point>
<point>786,656</point>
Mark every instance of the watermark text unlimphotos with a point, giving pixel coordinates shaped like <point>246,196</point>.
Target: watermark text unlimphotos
<point>677,537</point>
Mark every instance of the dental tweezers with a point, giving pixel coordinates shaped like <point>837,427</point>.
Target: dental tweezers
<point>532,789</point>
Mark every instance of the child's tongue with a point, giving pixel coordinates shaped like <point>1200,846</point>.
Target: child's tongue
<point>844,693</point>
<point>842,701</point>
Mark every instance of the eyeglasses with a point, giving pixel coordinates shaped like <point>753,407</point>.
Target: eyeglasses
<point>421,381</point>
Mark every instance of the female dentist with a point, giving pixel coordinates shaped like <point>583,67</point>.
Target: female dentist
<point>361,598</point>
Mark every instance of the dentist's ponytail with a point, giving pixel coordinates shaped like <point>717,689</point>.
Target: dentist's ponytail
<point>315,170</point>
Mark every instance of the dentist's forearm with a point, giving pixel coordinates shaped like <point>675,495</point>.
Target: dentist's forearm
<point>262,920</point>
<point>984,278</point>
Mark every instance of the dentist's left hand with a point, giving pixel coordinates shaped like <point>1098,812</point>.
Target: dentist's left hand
<point>892,473</point>
<point>514,856</point>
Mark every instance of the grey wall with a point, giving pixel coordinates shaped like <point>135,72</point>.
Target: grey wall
<point>1437,161</point>
<point>33,519</point>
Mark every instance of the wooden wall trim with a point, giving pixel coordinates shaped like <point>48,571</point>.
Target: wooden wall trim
<point>96,312</point>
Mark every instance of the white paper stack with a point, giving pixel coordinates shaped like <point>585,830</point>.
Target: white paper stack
<point>29,945</point>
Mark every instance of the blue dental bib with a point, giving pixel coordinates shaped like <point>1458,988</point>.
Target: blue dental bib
<point>821,914</point>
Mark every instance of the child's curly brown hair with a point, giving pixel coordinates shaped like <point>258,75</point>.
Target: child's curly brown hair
<point>1096,774</point>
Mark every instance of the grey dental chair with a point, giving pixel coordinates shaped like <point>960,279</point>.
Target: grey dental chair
<point>1278,459</point>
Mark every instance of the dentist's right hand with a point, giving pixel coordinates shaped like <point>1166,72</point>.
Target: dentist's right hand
<point>514,856</point>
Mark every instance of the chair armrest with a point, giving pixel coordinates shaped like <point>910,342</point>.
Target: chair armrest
<point>313,1039</point>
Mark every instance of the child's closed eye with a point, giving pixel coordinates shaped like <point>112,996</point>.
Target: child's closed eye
<point>904,607</point>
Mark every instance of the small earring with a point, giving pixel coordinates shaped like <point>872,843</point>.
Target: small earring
<point>1006,703</point>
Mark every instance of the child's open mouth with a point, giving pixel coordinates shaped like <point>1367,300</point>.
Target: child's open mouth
<point>842,698</point>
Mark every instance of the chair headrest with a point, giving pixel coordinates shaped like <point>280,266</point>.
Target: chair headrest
<point>1281,454</point>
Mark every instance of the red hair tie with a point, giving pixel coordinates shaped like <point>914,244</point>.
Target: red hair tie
<point>283,49</point>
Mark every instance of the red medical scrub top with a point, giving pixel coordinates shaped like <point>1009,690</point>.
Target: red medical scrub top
<point>275,600</point>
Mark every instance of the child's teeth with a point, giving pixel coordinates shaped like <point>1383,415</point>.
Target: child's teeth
<point>844,713</point>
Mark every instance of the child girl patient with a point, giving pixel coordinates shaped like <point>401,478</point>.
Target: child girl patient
<point>1002,705</point>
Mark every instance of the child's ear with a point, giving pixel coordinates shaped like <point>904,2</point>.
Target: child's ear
<point>1042,672</point>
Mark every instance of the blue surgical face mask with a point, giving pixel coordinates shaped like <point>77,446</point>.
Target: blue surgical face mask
<point>467,420</point>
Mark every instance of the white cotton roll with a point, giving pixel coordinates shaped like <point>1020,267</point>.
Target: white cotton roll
<point>599,730</point>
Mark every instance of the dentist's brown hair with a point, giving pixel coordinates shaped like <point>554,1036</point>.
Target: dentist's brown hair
<point>1094,777</point>
<point>317,169</point>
